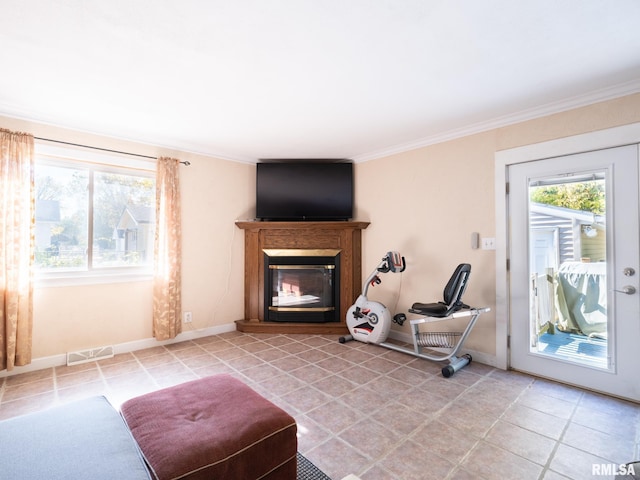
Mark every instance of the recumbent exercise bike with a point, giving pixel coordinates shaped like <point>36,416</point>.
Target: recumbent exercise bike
<point>370,322</point>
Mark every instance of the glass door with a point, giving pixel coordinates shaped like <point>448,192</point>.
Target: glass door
<point>574,254</point>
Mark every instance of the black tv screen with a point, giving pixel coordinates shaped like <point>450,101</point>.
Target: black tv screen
<point>304,190</point>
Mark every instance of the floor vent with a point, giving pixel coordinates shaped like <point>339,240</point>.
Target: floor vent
<point>90,355</point>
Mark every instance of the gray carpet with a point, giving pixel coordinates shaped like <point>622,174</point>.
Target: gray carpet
<point>308,471</point>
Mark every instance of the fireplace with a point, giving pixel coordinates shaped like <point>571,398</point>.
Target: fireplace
<point>338,243</point>
<point>302,285</point>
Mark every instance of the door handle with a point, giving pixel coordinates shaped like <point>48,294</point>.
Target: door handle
<point>628,289</point>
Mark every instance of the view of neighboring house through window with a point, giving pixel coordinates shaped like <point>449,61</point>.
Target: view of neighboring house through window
<point>93,217</point>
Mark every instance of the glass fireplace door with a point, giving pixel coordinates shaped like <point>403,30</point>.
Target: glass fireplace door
<point>301,288</point>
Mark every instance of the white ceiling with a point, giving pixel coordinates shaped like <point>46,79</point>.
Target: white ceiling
<point>251,79</point>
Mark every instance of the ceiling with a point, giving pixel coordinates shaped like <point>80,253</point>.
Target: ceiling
<point>253,79</point>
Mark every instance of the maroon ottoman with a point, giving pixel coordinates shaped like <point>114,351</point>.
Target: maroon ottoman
<point>215,427</point>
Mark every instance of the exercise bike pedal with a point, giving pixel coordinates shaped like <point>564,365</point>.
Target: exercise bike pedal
<point>399,318</point>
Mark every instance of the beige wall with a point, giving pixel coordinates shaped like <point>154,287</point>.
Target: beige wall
<point>214,194</point>
<point>424,203</point>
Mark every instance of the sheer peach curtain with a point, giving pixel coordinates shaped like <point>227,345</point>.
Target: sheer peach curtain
<point>17,244</point>
<point>167,295</point>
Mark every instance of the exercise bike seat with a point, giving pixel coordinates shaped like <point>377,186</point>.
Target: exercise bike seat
<point>452,295</point>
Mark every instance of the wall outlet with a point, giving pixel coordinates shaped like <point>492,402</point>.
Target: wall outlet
<point>488,243</point>
<point>187,317</point>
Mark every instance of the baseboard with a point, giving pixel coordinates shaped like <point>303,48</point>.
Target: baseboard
<point>61,359</point>
<point>480,357</point>
<point>184,336</point>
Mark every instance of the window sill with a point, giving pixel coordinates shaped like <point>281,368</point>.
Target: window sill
<point>73,279</point>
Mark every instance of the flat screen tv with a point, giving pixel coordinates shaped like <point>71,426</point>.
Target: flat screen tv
<point>304,190</point>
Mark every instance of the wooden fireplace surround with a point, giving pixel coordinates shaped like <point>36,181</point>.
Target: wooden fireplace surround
<point>345,236</point>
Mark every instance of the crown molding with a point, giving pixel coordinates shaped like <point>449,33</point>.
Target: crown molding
<point>596,96</point>
<point>37,122</point>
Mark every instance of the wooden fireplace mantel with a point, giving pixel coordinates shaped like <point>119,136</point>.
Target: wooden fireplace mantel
<point>259,235</point>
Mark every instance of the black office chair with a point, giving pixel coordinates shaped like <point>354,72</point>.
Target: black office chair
<point>453,291</point>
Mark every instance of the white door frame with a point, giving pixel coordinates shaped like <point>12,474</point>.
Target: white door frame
<point>611,137</point>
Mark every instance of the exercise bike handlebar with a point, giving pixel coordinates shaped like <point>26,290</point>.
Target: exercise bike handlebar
<point>391,262</point>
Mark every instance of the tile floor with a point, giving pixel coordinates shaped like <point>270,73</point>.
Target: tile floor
<point>377,413</point>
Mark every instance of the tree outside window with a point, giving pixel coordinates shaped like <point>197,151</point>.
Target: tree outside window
<point>586,196</point>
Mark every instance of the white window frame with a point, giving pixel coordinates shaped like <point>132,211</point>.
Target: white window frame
<point>72,156</point>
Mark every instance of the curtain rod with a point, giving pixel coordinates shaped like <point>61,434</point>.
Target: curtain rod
<point>185,162</point>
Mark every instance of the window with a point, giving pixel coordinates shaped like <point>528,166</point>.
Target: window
<point>93,218</point>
